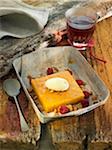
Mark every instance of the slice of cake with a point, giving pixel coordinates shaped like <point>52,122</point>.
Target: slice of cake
<point>68,93</point>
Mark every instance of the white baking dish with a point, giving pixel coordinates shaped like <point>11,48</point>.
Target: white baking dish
<point>34,64</point>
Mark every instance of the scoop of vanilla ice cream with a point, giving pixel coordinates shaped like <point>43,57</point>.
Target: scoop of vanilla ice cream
<point>57,84</point>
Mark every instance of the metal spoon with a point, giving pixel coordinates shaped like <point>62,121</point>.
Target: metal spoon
<point>12,88</point>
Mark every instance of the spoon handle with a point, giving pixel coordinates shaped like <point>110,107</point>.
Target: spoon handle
<point>23,124</point>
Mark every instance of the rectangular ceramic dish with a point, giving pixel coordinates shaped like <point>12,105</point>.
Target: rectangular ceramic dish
<point>35,64</point>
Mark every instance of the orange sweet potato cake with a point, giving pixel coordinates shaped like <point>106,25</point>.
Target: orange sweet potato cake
<point>51,98</point>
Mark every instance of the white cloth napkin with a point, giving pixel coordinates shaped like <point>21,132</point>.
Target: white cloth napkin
<point>20,21</point>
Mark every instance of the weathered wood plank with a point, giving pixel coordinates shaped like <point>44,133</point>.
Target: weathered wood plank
<point>92,131</point>
<point>11,137</point>
<point>72,133</point>
<point>102,139</point>
<point>66,134</point>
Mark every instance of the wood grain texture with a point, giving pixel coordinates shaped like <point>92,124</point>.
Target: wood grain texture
<point>92,131</point>
<point>103,115</point>
<point>11,137</point>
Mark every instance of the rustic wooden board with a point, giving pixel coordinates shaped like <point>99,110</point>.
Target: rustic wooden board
<point>11,137</point>
<point>92,131</point>
<point>102,139</point>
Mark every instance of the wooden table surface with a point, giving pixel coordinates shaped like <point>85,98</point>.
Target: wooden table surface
<point>91,131</point>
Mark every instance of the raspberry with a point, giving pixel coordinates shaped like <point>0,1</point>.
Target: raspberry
<point>85,103</point>
<point>50,71</point>
<point>64,109</point>
<point>86,94</point>
<point>80,82</point>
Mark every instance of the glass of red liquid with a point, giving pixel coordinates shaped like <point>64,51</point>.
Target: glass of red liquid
<point>81,23</point>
